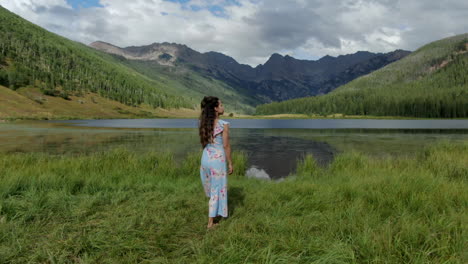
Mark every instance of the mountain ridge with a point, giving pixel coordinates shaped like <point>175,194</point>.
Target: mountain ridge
<point>163,75</point>
<point>279,78</point>
<point>430,82</point>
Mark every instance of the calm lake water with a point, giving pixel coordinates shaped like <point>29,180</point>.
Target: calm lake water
<point>273,146</point>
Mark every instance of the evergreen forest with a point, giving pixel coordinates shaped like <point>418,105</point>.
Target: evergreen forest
<point>432,82</point>
<point>32,56</point>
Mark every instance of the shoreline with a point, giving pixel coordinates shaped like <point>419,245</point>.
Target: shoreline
<point>279,117</point>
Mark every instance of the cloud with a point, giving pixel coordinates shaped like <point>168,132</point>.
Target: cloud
<point>251,30</point>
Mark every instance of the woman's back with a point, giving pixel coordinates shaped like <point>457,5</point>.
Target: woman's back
<point>218,133</point>
<point>214,137</point>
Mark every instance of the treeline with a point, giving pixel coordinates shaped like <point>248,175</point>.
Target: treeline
<point>432,82</point>
<point>30,55</point>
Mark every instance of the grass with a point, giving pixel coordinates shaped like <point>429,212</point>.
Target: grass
<point>118,207</point>
<point>28,103</point>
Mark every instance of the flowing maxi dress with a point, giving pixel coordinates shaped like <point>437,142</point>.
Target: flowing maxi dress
<point>213,173</point>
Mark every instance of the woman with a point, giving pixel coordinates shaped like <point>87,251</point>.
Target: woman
<point>214,137</point>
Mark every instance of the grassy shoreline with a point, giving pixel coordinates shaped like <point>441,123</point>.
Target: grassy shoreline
<point>339,116</point>
<point>175,115</point>
<point>118,207</point>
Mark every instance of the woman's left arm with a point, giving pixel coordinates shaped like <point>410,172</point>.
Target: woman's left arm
<point>227,147</point>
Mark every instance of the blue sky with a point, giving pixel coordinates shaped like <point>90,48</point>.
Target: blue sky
<point>76,4</point>
<point>215,9</point>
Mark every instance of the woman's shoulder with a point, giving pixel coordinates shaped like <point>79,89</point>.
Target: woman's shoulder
<point>222,122</point>
<point>219,127</point>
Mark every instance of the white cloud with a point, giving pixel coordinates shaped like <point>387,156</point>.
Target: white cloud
<point>254,29</point>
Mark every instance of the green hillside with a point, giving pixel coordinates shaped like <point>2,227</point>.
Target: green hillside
<point>32,56</point>
<point>193,84</point>
<point>430,82</point>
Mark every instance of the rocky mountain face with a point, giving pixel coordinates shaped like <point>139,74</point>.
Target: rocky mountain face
<point>165,53</point>
<point>280,78</point>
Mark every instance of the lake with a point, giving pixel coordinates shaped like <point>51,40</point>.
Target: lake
<point>272,146</point>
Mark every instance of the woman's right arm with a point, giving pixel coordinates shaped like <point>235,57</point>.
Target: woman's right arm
<point>227,148</point>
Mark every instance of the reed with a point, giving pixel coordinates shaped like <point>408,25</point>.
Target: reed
<point>121,207</point>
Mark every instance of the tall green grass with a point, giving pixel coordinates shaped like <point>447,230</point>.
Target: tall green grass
<point>120,207</point>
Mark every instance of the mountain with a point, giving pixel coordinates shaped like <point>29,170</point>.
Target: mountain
<point>164,54</point>
<point>32,56</point>
<point>280,78</point>
<point>430,82</point>
<point>155,76</point>
<point>305,78</point>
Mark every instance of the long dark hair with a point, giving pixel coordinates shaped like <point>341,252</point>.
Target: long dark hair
<point>207,118</point>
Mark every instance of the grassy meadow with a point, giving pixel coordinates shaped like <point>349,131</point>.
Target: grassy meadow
<point>119,207</point>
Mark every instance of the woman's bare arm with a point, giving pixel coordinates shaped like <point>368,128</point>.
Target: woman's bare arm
<point>227,148</point>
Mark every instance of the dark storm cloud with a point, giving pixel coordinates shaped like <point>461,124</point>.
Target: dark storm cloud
<point>393,24</point>
<point>286,25</point>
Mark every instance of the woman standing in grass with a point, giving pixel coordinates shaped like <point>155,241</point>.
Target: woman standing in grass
<point>214,137</point>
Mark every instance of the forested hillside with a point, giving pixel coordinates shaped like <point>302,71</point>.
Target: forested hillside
<point>194,85</point>
<point>430,82</point>
<point>32,56</point>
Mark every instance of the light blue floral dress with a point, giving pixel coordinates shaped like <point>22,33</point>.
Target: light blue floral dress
<point>213,173</point>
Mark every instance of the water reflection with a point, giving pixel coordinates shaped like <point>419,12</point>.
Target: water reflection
<point>281,123</point>
<point>276,156</point>
<point>272,153</point>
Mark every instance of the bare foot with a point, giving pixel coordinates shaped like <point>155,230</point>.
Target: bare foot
<point>213,225</point>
